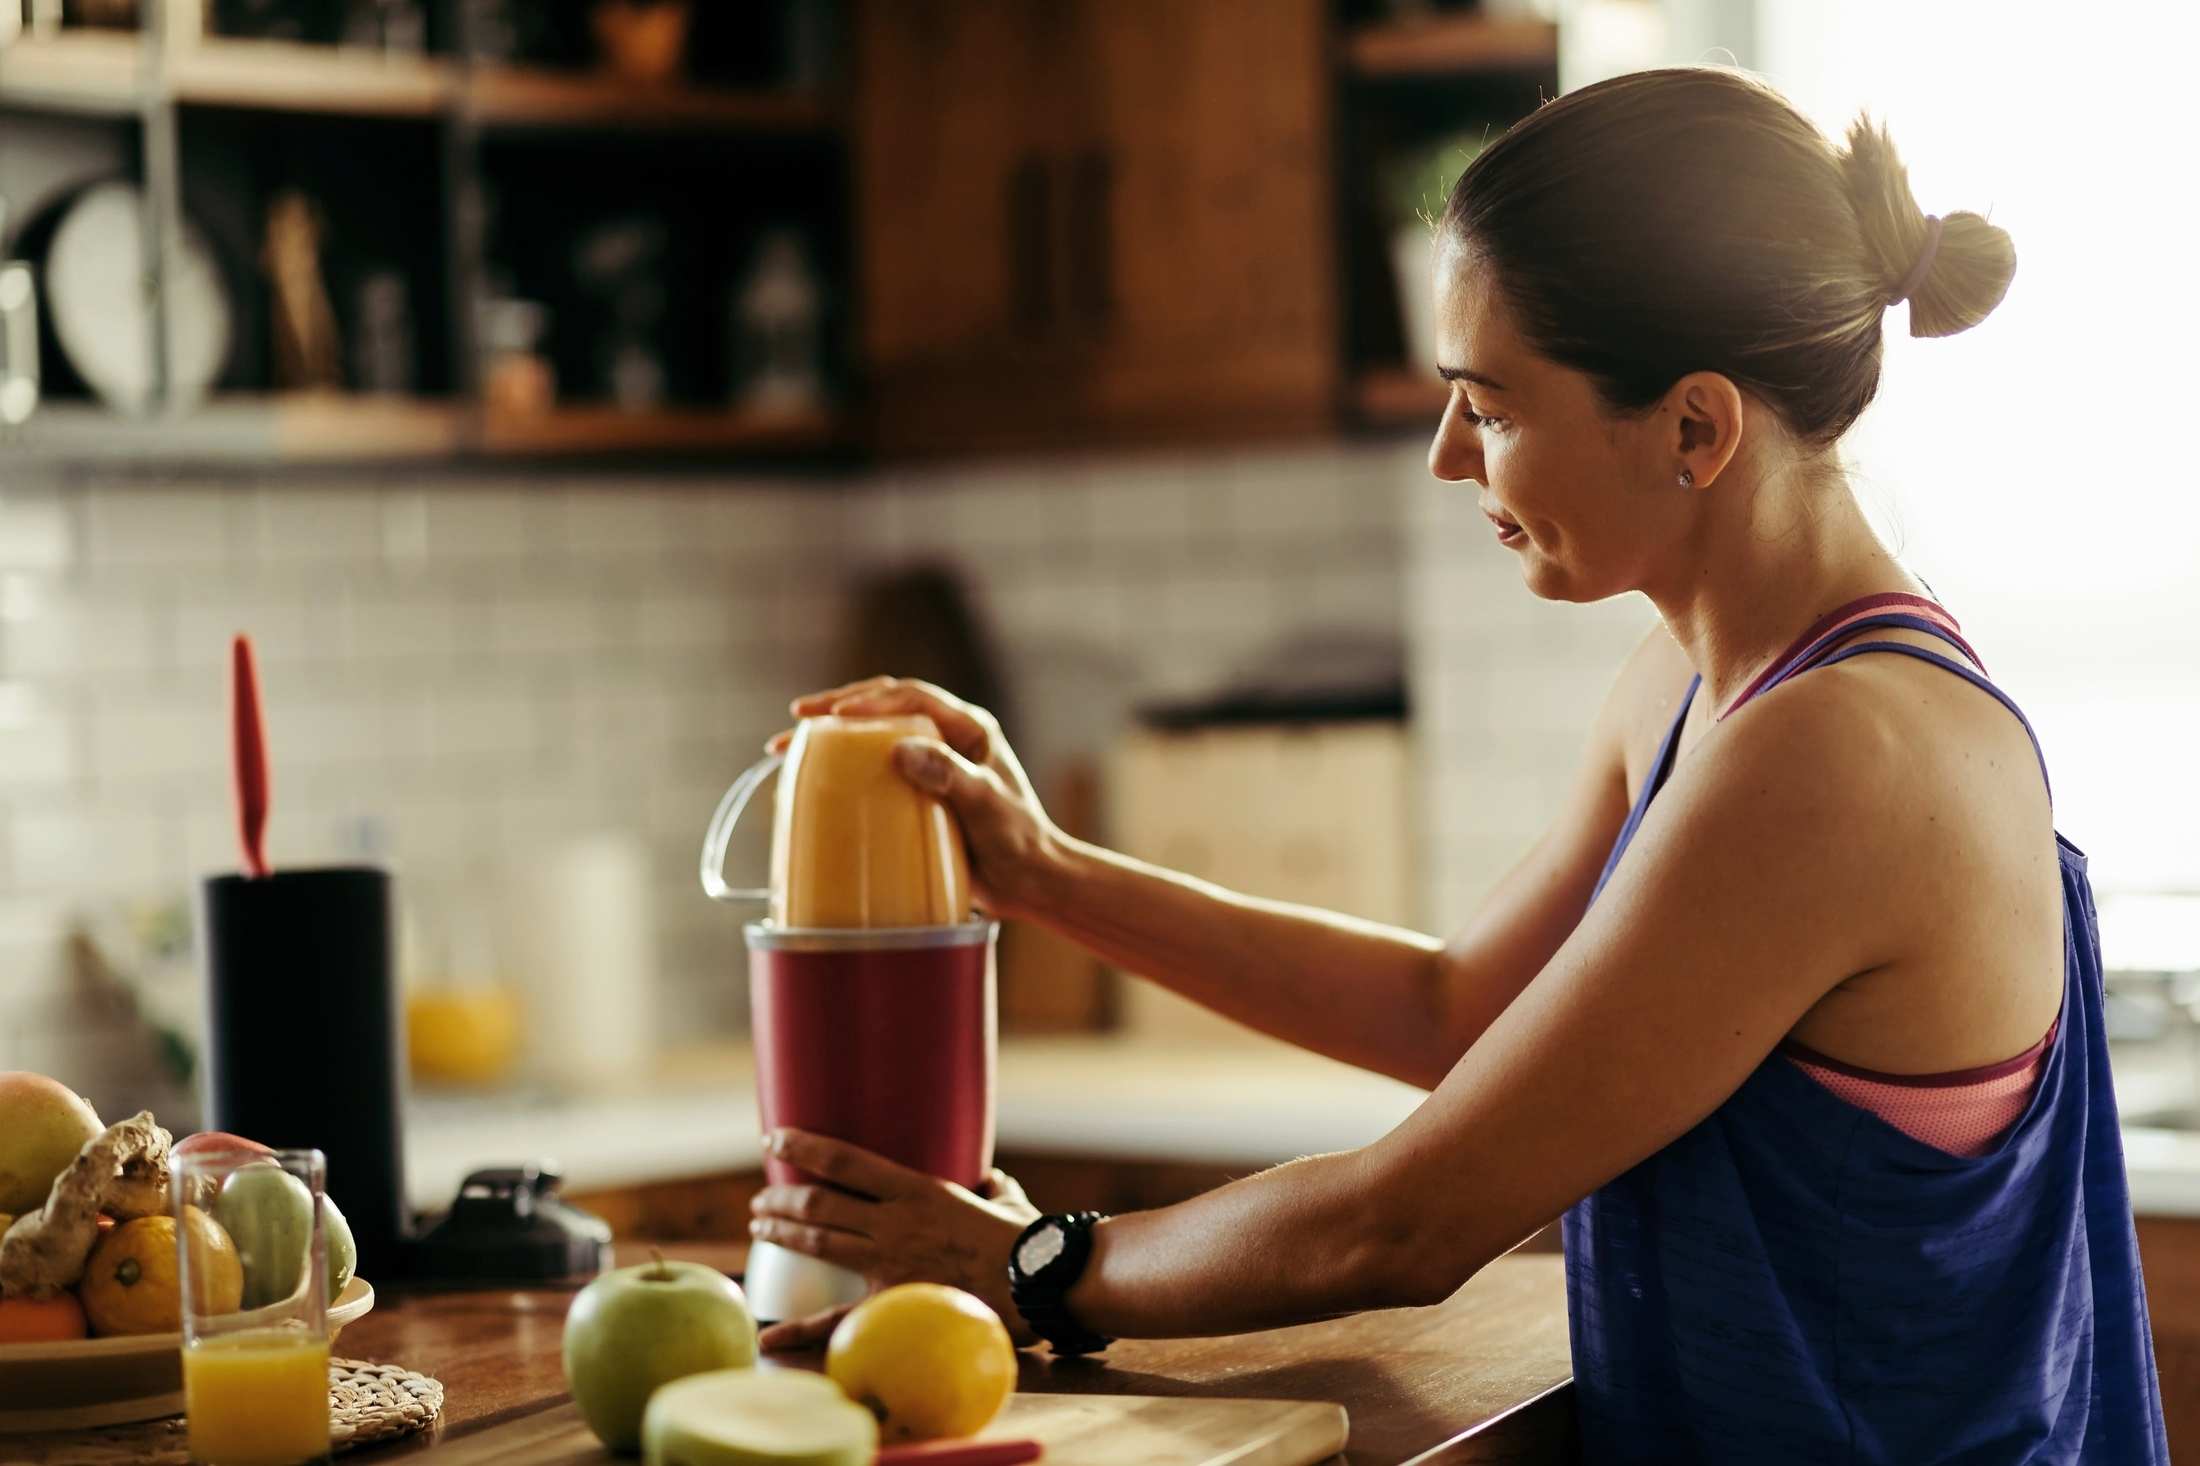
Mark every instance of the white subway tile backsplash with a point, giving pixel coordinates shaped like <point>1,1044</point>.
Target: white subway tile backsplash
<point>433,621</point>
<point>141,743</point>
<point>405,529</point>
<point>317,522</point>
<point>37,528</point>
<point>51,632</point>
<point>994,515</point>
<point>765,520</point>
<point>182,524</point>
<point>288,624</point>
<point>1363,598</point>
<point>1277,497</point>
<point>499,724</point>
<point>471,521</point>
<point>1242,607</point>
<point>473,666</point>
<point>71,855</point>
<point>316,731</point>
<point>682,619</point>
<point>635,518</point>
<point>38,743</point>
<point>1144,504</point>
<point>546,624</point>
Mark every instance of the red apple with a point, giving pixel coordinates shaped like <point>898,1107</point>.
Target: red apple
<point>209,1141</point>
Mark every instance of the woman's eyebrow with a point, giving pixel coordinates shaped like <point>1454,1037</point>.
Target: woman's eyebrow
<point>1462,374</point>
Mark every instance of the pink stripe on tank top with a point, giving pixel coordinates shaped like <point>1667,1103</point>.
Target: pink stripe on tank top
<point>1962,1111</point>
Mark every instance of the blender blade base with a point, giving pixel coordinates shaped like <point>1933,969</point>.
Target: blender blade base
<point>782,1285</point>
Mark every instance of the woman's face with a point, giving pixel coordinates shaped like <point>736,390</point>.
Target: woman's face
<point>1576,492</point>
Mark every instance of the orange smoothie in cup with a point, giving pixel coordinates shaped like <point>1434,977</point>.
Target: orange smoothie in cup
<point>856,845</point>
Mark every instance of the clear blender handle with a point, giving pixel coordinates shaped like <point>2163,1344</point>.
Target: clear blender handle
<point>720,833</point>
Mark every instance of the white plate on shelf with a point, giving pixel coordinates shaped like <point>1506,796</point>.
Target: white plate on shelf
<point>95,295</point>
<point>80,1384</point>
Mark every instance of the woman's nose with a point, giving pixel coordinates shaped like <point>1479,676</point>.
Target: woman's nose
<point>1455,456</point>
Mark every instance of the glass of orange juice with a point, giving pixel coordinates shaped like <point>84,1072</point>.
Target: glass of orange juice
<point>253,1268</point>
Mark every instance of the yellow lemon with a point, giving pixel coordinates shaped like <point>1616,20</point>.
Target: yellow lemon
<point>130,1284</point>
<point>929,1361</point>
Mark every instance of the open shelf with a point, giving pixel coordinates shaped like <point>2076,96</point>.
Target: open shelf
<point>286,76</point>
<point>98,72</point>
<point>286,428</point>
<point>107,72</point>
<point>1398,397</point>
<point>525,96</point>
<point>337,427</point>
<point>583,431</point>
<point>1449,45</point>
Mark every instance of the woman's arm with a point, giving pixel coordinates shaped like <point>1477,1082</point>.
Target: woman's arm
<point>1393,1001</point>
<point>1775,865</point>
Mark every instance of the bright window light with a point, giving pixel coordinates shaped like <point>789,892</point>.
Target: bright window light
<point>2039,470</point>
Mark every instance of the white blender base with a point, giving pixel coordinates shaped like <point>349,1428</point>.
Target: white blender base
<point>783,1285</point>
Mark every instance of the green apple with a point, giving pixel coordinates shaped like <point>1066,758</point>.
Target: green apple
<point>343,1252</point>
<point>748,1417</point>
<point>268,1213</point>
<point>640,1327</point>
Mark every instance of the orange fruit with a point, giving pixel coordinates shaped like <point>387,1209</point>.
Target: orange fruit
<point>928,1360</point>
<point>131,1286</point>
<point>41,1320</point>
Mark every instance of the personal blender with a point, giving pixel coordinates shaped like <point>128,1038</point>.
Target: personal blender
<point>871,988</point>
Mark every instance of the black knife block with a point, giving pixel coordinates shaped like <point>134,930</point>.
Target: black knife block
<point>305,1043</point>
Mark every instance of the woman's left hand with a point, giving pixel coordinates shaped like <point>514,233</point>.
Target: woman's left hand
<point>891,1224</point>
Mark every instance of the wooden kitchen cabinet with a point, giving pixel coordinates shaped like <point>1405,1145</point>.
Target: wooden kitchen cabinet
<point>1210,140</point>
<point>2169,1256</point>
<point>959,138</point>
<point>1093,219</point>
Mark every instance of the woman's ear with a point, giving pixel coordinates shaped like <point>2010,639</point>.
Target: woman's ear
<point>1706,410</point>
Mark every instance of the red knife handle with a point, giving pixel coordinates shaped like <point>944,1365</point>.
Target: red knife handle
<point>248,738</point>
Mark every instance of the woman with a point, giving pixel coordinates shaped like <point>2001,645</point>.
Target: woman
<point>1794,1014</point>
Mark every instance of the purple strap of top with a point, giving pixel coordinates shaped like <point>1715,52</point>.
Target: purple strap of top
<point>1917,614</point>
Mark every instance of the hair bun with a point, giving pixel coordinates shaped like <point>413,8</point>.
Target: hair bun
<point>1969,265</point>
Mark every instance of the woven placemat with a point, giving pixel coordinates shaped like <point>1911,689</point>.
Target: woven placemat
<point>368,1404</point>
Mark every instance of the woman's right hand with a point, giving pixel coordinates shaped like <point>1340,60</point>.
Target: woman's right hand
<point>971,769</point>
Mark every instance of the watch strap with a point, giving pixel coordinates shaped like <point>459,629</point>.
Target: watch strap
<point>1042,1297</point>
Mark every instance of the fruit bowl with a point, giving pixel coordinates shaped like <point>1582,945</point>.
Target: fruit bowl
<point>82,1383</point>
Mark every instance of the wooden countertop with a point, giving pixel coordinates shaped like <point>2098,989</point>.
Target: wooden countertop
<point>1481,1377</point>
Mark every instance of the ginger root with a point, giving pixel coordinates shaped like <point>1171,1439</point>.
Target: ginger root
<point>124,1170</point>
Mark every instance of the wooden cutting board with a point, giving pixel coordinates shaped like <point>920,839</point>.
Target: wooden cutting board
<point>1077,1430</point>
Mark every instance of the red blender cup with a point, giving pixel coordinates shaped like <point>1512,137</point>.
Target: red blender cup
<point>871,991</point>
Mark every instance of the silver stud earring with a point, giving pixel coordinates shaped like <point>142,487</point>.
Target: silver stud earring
<point>1687,480</point>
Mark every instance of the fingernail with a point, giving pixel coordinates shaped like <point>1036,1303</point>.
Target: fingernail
<point>756,1227</point>
<point>776,1142</point>
<point>921,765</point>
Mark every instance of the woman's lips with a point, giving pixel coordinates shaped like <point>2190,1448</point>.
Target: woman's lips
<point>1507,531</point>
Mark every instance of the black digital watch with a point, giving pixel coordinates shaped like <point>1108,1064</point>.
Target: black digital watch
<point>1046,1262</point>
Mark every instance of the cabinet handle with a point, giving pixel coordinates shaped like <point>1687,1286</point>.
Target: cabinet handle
<point>18,344</point>
<point>1092,238</point>
<point>1031,246</point>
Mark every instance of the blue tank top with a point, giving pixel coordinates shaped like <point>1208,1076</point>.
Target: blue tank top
<point>1796,1280</point>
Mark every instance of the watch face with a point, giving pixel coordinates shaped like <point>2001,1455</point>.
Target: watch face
<point>1039,1249</point>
